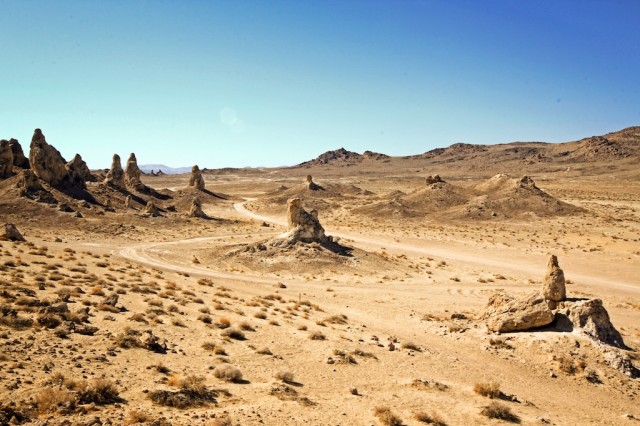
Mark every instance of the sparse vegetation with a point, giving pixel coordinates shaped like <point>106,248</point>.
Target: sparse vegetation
<point>387,417</point>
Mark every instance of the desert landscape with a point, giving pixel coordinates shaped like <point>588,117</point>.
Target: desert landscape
<point>472,284</point>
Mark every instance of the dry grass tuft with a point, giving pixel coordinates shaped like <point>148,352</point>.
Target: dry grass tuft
<point>429,418</point>
<point>496,410</point>
<point>228,373</point>
<point>490,390</point>
<point>387,417</point>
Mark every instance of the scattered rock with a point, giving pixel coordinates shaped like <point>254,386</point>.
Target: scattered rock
<point>196,180</point>
<point>133,173</point>
<point>64,207</point>
<point>505,313</point>
<point>115,175</point>
<point>111,300</point>
<point>11,233</point>
<point>553,284</point>
<point>151,342</point>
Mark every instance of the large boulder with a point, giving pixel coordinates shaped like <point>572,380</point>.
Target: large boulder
<point>133,173</point>
<point>28,183</point>
<point>196,180</point>
<point>6,159</point>
<point>304,226</point>
<point>48,164</point>
<point>79,169</point>
<point>505,313</point>
<point>19,160</point>
<point>553,284</point>
<point>10,233</point>
<point>590,317</point>
<point>115,175</point>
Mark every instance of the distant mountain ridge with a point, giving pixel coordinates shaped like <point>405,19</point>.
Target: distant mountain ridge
<point>619,145</point>
<point>147,168</point>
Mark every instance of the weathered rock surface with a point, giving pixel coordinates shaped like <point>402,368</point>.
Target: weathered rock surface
<point>133,173</point>
<point>6,159</point>
<point>303,226</point>
<point>505,313</point>
<point>79,170</point>
<point>553,284</point>
<point>196,180</point>
<point>590,317</point>
<point>151,342</point>
<point>48,164</point>
<point>127,202</point>
<point>11,233</point>
<point>115,175</point>
<point>196,209</point>
<point>19,160</point>
<point>430,180</point>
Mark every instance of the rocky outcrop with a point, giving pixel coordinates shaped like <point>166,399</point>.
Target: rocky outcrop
<point>133,173</point>
<point>127,202</point>
<point>79,170</point>
<point>196,180</point>
<point>303,226</point>
<point>10,233</point>
<point>19,160</point>
<point>49,165</point>
<point>196,209</point>
<point>591,318</point>
<point>6,160</point>
<point>553,285</point>
<point>527,183</point>
<point>505,313</point>
<point>115,175</point>
<point>430,180</point>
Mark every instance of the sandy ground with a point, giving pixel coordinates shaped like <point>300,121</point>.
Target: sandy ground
<point>321,321</point>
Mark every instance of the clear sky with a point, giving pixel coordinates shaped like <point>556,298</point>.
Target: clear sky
<point>267,83</point>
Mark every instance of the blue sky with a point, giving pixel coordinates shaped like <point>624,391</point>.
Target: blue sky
<point>259,83</point>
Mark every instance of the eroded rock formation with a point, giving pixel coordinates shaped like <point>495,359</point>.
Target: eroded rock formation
<point>79,169</point>
<point>311,184</point>
<point>196,180</point>
<point>151,209</point>
<point>196,209</point>
<point>553,285</point>
<point>303,226</point>
<point>430,180</point>
<point>6,159</point>
<point>591,318</point>
<point>19,160</point>
<point>11,233</point>
<point>133,173</point>
<point>115,175</point>
<point>48,164</point>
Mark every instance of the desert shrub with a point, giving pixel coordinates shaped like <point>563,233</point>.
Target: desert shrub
<point>205,319</point>
<point>233,334</point>
<point>49,321</point>
<point>284,375</point>
<point>244,325</point>
<point>264,351</point>
<point>99,392</point>
<point>223,322</point>
<point>222,421</point>
<point>429,418</point>
<point>260,315</point>
<point>228,373</point>
<point>412,346</point>
<point>137,416</point>
<point>496,410</point>
<point>316,335</point>
<point>50,399</point>
<point>490,390</point>
<point>387,417</point>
